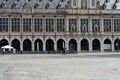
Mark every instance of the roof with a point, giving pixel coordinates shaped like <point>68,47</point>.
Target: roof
<point>32,3</point>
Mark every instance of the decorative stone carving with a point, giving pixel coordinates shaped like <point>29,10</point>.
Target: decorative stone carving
<point>73,28</point>
<point>96,28</point>
<point>84,28</point>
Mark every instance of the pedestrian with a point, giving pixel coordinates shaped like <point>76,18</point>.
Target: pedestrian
<point>65,51</point>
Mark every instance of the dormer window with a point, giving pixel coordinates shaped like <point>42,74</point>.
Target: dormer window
<point>37,4</point>
<point>104,6</point>
<point>3,4</point>
<point>98,4</point>
<point>59,5</point>
<point>15,4</point>
<point>39,0</point>
<point>29,0</point>
<point>48,5</point>
<point>62,0</point>
<point>107,1</point>
<point>50,0</point>
<point>114,6</point>
<point>116,1</point>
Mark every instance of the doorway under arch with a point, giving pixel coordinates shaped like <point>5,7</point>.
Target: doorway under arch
<point>27,45</point>
<point>16,44</point>
<point>38,45</point>
<point>3,42</point>
<point>60,45</point>
<point>84,45</point>
<point>107,45</point>
<point>117,44</point>
<point>72,45</point>
<point>96,45</point>
<point>49,45</point>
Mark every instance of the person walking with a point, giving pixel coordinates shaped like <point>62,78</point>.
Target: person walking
<point>65,51</point>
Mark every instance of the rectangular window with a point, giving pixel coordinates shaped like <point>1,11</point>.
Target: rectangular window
<point>96,25</point>
<point>60,25</point>
<point>72,25</point>
<point>27,25</point>
<point>3,24</point>
<point>15,24</point>
<point>93,2</point>
<point>49,25</point>
<point>107,25</point>
<point>84,25</point>
<point>74,3</point>
<point>117,25</point>
<point>38,24</point>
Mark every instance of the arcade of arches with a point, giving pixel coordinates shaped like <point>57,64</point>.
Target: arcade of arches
<point>72,45</point>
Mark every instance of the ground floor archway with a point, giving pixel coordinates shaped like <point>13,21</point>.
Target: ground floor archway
<point>96,45</point>
<point>49,45</point>
<point>3,42</point>
<point>84,45</point>
<point>107,45</point>
<point>117,44</point>
<point>38,45</point>
<point>16,44</point>
<point>72,45</point>
<point>60,45</point>
<point>27,45</point>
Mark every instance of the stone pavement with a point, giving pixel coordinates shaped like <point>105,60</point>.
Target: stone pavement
<point>82,66</point>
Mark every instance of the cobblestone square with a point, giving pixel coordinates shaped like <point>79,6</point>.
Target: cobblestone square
<point>82,66</point>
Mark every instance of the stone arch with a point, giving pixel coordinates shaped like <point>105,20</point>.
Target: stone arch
<point>84,45</point>
<point>38,45</point>
<point>26,37</point>
<point>96,45</point>
<point>72,45</point>
<point>60,45</point>
<point>27,45</point>
<point>16,44</point>
<point>117,44</point>
<point>49,45</point>
<point>50,37</point>
<point>107,45</point>
<point>3,42</point>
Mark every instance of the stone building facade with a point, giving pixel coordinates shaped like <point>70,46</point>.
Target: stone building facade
<point>51,25</point>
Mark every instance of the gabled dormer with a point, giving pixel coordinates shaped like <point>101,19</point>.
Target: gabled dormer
<point>37,5</point>
<point>3,4</point>
<point>48,4</point>
<point>14,5</point>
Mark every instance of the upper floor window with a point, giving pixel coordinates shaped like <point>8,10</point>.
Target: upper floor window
<point>38,24</point>
<point>84,25</point>
<point>60,25</point>
<point>49,25</point>
<point>15,24</point>
<point>26,24</point>
<point>3,24</point>
<point>72,25</point>
<point>93,2</point>
<point>74,2</point>
<point>84,4</point>
<point>96,25</point>
<point>107,25</point>
<point>117,25</point>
